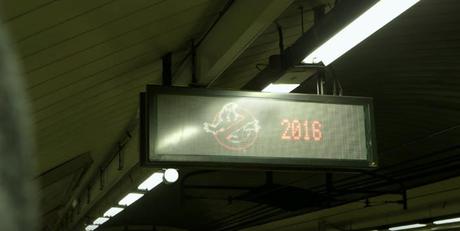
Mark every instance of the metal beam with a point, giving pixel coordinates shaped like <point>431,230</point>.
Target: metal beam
<point>166,70</point>
<point>79,163</point>
<point>241,24</point>
<point>325,26</point>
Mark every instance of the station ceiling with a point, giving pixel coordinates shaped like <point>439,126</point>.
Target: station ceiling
<point>85,62</point>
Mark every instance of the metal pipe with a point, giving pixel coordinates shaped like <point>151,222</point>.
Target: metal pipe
<point>166,70</point>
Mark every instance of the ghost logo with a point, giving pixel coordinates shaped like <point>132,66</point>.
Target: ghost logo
<point>234,128</point>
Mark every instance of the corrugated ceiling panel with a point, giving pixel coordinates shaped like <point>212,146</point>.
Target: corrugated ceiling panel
<point>86,62</point>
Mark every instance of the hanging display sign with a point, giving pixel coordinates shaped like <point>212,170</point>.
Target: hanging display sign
<point>203,127</point>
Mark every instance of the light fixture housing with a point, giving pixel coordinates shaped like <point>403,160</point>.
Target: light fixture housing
<point>404,227</point>
<point>280,88</point>
<point>100,220</point>
<point>130,198</point>
<point>113,211</point>
<point>91,227</point>
<point>383,12</point>
<point>447,221</point>
<point>171,175</point>
<point>154,180</point>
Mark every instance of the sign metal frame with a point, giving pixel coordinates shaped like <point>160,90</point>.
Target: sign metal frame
<point>148,133</point>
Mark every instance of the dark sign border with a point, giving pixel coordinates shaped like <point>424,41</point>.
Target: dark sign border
<point>148,121</point>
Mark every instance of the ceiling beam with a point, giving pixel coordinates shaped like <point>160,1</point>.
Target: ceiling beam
<point>234,31</point>
<point>325,27</point>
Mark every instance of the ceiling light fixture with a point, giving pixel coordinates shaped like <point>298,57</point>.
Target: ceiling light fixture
<point>113,211</point>
<point>404,227</point>
<point>100,220</point>
<point>154,180</point>
<point>280,88</point>
<point>91,227</point>
<point>362,27</point>
<point>447,221</point>
<point>130,198</point>
<point>171,175</point>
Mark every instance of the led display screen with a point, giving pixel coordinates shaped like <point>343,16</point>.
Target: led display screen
<point>199,125</point>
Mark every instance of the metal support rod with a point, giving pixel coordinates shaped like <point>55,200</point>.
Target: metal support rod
<point>166,70</point>
<point>101,178</point>
<point>334,87</point>
<point>301,19</point>
<point>340,87</point>
<point>194,77</point>
<point>320,81</point>
<point>318,85</point>
<point>88,195</point>
<point>281,39</point>
<point>120,157</point>
<point>281,45</point>
<point>404,199</point>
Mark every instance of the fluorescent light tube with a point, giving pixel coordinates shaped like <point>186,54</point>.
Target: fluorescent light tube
<point>113,211</point>
<point>130,198</point>
<point>404,227</point>
<point>100,220</point>
<point>151,182</point>
<point>362,27</point>
<point>447,221</point>
<point>91,227</point>
<point>280,88</point>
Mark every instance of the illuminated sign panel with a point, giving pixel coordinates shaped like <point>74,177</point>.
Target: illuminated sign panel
<point>200,126</point>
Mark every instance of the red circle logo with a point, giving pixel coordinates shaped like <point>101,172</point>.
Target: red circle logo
<point>234,128</point>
